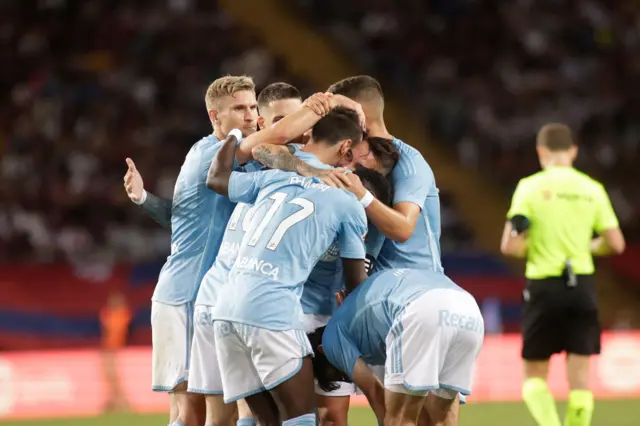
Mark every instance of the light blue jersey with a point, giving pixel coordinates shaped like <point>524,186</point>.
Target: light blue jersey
<point>413,181</point>
<point>218,274</point>
<point>359,328</point>
<point>198,220</point>
<point>295,221</point>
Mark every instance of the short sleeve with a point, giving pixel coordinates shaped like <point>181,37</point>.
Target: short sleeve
<point>520,203</point>
<point>374,241</point>
<point>605,216</point>
<point>339,349</point>
<point>244,187</point>
<point>412,180</point>
<point>353,230</point>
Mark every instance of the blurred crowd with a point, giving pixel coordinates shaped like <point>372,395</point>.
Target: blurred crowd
<point>86,84</point>
<point>488,73</point>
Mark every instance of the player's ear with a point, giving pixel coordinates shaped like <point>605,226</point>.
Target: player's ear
<point>213,116</point>
<point>321,349</point>
<point>261,122</point>
<point>574,152</point>
<point>345,147</point>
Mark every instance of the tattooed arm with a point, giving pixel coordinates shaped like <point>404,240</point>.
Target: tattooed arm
<point>158,209</point>
<point>282,158</point>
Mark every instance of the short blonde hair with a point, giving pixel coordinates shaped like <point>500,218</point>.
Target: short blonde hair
<point>225,86</point>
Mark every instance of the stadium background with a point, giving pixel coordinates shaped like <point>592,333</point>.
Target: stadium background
<point>86,83</point>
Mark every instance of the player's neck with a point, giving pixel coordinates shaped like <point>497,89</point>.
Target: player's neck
<point>324,155</point>
<point>218,134</point>
<point>377,128</point>
<point>558,160</point>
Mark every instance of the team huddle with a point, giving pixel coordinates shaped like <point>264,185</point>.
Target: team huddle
<point>304,267</point>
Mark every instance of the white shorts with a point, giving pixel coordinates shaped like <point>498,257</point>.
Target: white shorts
<point>171,334</point>
<point>254,359</point>
<point>311,323</point>
<point>434,343</point>
<point>204,374</point>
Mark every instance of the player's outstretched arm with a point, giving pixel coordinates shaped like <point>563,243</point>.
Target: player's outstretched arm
<point>364,378</point>
<point>397,223</point>
<point>289,128</point>
<point>157,208</point>
<point>222,165</point>
<point>281,158</point>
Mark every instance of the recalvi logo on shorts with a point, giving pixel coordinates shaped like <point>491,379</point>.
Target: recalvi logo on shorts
<point>447,318</point>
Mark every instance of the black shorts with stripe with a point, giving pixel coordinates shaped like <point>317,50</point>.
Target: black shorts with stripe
<point>557,318</point>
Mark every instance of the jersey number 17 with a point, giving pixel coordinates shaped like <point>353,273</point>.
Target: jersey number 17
<point>307,209</point>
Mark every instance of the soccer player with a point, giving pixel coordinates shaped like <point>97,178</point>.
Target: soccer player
<point>197,218</point>
<point>425,329</point>
<point>560,305</point>
<point>326,277</point>
<point>278,100</point>
<point>258,316</point>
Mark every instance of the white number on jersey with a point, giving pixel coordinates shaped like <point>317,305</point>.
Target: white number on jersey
<point>308,208</point>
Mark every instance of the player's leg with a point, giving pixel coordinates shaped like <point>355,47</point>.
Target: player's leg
<point>264,409</point>
<point>204,371</point>
<point>442,408</point>
<point>191,407</point>
<point>283,361</point>
<point>541,338</point>
<point>245,415</point>
<point>581,342</point>
<point>171,328</point>
<point>333,410</point>
<point>402,406</point>
<point>332,402</point>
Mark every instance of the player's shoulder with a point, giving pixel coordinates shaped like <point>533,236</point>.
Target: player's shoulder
<point>411,161</point>
<point>588,180</point>
<point>207,143</point>
<point>347,203</point>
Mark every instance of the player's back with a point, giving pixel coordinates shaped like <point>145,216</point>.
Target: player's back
<point>295,221</point>
<point>370,310</point>
<point>198,220</point>
<point>413,181</point>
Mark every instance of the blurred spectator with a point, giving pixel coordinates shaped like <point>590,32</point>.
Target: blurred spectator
<point>489,73</point>
<point>115,318</point>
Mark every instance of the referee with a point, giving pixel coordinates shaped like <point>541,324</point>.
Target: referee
<point>551,222</point>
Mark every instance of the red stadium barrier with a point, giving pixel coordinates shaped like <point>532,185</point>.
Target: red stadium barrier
<point>70,383</point>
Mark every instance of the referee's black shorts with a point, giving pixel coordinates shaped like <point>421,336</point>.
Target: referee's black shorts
<point>558,318</point>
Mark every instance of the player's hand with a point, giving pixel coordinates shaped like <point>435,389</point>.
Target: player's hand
<point>343,101</point>
<point>133,182</point>
<point>340,296</point>
<point>336,178</point>
<point>355,185</point>
<point>318,103</point>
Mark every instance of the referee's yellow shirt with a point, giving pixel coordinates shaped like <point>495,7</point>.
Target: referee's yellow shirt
<point>564,207</point>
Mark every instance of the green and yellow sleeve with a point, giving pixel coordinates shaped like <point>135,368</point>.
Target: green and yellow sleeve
<point>605,216</point>
<point>521,201</point>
